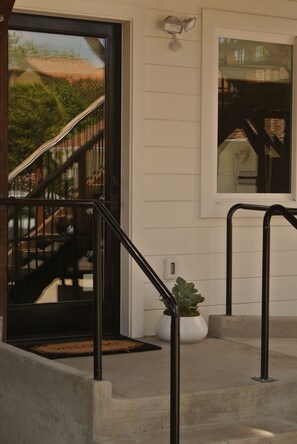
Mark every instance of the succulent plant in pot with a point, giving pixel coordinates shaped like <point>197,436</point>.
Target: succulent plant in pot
<point>193,327</point>
<point>187,297</point>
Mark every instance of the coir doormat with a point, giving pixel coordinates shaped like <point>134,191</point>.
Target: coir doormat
<point>84,347</point>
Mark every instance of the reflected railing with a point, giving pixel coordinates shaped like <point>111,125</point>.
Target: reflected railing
<point>69,163</point>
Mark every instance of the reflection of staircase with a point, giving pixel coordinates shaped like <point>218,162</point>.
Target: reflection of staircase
<point>39,267</point>
<point>46,243</point>
<point>252,108</point>
<point>249,103</point>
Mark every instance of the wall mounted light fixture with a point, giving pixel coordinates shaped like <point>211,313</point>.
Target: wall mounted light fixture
<point>1,18</point>
<point>173,25</point>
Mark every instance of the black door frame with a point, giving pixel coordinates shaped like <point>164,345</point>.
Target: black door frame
<point>75,318</point>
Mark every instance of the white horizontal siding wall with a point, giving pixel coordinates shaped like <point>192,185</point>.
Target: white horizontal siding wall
<point>173,226</point>
<point>164,147</point>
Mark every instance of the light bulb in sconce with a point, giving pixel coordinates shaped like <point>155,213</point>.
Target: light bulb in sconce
<point>173,25</point>
<point>189,24</point>
<point>175,44</point>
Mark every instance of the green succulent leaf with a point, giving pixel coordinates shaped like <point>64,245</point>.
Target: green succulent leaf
<point>187,297</point>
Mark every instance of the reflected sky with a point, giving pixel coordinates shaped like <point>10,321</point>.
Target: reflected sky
<point>62,43</point>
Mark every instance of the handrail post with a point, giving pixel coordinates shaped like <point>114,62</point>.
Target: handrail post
<point>265,299</point>
<point>98,294</point>
<point>229,247</point>
<point>264,377</point>
<point>229,255</point>
<point>175,320</point>
<point>175,379</point>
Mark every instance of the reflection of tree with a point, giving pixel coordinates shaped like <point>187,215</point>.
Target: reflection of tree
<point>35,115</point>
<point>69,98</point>
<point>39,109</point>
<point>89,89</point>
<point>75,95</point>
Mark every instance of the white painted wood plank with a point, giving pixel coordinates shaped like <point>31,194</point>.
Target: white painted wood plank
<point>282,263</point>
<point>187,214</point>
<point>175,214</point>
<point>172,79</point>
<point>170,241</point>
<point>171,160</point>
<point>158,52</point>
<point>283,308</point>
<point>150,320</point>
<point>171,187</point>
<point>194,267</point>
<point>168,106</point>
<point>172,133</point>
<point>213,240</point>
<point>197,267</point>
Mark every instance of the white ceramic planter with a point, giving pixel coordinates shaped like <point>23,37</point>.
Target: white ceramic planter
<point>192,329</point>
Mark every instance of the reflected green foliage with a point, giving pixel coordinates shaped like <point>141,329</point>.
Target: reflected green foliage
<point>88,89</point>
<point>38,110</point>
<point>35,116</point>
<point>69,98</point>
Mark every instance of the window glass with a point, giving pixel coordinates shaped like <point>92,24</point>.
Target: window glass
<point>52,79</point>
<point>254,117</point>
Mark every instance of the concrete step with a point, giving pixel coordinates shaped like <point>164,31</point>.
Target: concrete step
<point>244,411</point>
<point>220,403</point>
<point>222,326</point>
<point>250,431</point>
<point>208,408</point>
<point>217,390</point>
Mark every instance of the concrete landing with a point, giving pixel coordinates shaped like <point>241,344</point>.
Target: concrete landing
<point>220,403</point>
<point>210,364</point>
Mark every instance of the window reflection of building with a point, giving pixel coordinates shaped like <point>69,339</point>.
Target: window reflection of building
<point>254,117</point>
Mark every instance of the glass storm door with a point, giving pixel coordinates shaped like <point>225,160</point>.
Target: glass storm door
<point>64,110</point>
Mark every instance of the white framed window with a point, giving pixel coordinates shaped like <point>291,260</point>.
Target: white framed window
<point>248,143</point>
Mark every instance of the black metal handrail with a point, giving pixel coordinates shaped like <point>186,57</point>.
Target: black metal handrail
<point>100,213</point>
<point>273,210</point>
<point>229,247</point>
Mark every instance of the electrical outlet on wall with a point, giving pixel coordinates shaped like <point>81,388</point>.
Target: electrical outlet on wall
<point>171,268</point>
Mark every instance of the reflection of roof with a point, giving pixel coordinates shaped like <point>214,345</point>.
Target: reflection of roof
<point>64,67</point>
<point>272,126</point>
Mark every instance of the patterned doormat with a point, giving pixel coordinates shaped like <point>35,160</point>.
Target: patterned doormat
<point>84,347</point>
